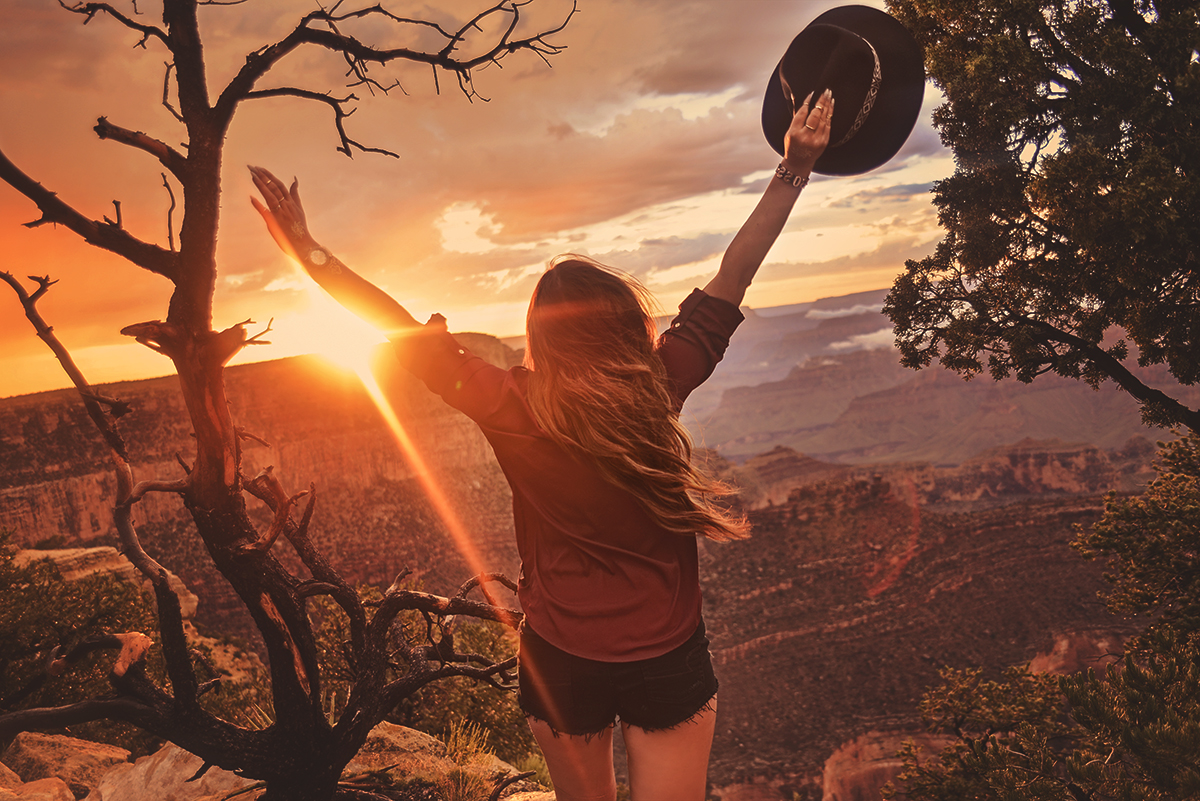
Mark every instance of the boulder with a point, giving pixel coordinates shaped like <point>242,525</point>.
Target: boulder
<point>163,776</point>
<point>416,755</point>
<point>389,744</point>
<point>1076,651</point>
<point>40,790</point>
<point>33,756</point>
<point>8,779</point>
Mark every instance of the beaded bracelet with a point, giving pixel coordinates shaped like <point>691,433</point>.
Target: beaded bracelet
<point>788,177</point>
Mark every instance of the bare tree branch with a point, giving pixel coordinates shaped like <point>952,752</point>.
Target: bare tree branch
<point>170,158</point>
<point>52,718</point>
<point>46,334</point>
<point>102,235</point>
<point>166,98</point>
<point>170,212</point>
<point>90,10</point>
<point>360,56</point>
<point>339,114</point>
<point>283,512</point>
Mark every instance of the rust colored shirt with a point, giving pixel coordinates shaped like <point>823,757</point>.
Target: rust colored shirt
<point>599,578</point>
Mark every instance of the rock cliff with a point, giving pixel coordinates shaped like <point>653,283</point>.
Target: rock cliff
<point>860,581</point>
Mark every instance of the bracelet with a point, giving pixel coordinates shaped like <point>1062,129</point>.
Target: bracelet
<point>789,177</point>
<point>320,257</point>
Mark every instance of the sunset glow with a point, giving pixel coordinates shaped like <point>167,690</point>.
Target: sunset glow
<point>631,149</point>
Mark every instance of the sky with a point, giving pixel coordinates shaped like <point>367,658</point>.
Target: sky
<point>639,145</point>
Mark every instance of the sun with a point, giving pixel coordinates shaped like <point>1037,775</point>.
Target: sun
<point>328,330</point>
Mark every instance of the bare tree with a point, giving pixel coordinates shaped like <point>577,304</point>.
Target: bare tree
<point>302,755</point>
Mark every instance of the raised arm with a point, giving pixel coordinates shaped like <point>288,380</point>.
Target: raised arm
<point>285,220</point>
<point>805,141</point>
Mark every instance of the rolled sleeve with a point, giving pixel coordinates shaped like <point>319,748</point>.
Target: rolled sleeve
<point>696,341</point>
<point>462,379</point>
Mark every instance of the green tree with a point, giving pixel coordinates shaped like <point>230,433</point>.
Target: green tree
<point>1130,733</point>
<point>45,618</point>
<point>1152,542</point>
<point>1071,216</point>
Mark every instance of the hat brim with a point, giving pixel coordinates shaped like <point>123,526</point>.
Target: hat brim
<point>897,106</point>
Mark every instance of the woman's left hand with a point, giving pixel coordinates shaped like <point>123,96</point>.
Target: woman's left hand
<point>808,135</point>
<point>283,213</point>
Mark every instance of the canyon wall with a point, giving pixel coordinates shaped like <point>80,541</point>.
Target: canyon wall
<point>860,582</point>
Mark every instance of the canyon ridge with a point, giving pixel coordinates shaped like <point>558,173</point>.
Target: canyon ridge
<point>903,521</point>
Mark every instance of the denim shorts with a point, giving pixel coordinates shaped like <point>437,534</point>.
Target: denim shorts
<point>583,696</point>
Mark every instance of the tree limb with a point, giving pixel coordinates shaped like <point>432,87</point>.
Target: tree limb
<point>29,302</point>
<point>166,97</point>
<point>360,56</point>
<point>53,718</point>
<point>267,488</point>
<point>339,114</point>
<point>103,235</point>
<point>90,10</point>
<point>1162,403</point>
<point>170,158</point>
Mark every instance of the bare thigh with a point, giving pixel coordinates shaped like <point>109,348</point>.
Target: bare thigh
<point>580,767</point>
<point>671,764</point>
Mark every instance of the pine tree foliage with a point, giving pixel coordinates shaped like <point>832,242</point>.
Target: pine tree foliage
<point>1070,219</point>
<point>1153,542</point>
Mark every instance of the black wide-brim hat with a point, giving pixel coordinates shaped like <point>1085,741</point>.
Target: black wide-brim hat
<point>877,73</point>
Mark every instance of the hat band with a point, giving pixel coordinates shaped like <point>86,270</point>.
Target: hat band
<point>868,101</point>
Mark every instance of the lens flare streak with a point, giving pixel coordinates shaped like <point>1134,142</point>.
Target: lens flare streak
<point>433,490</point>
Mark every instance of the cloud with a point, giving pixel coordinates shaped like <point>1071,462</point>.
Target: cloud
<point>826,314</point>
<point>882,339</point>
<point>883,194</point>
<point>641,146</point>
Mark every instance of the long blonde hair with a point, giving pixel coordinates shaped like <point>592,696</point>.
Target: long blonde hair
<point>597,386</point>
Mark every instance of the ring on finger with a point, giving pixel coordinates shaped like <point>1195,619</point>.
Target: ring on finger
<point>809,127</point>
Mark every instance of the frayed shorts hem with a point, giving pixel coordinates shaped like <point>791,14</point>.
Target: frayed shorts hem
<point>584,697</point>
<point>588,736</point>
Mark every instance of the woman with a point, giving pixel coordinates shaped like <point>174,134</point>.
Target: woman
<point>606,503</point>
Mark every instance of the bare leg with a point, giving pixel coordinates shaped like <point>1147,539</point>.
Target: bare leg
<point>671,764</point>
<point>581,767</point>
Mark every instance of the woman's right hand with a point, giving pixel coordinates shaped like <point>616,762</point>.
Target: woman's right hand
<point>808,135</point>
<point>283,214</point>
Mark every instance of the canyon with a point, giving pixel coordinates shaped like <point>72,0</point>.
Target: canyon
<point>902,521</point>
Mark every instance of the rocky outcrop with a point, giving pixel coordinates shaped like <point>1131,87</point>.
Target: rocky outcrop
<point>166,775</point>
<point>1026,469</point>
<point>834,618</point>
<point>80,764</point>
<point>1079,650</point>
<point>76,563</point>
<point>40,790</point>
<point>407,755</point>
<point>862,767</point>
